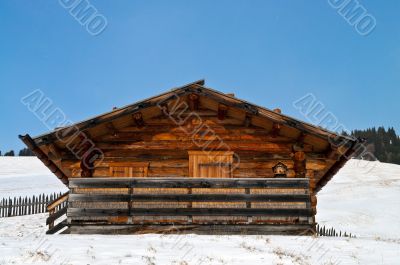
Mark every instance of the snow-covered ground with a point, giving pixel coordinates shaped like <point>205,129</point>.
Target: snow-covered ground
<point>26,176</point>
<point>362,198</point>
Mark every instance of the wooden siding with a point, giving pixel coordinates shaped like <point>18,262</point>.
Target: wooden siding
<point>134,201</point>
<point>165,148</point>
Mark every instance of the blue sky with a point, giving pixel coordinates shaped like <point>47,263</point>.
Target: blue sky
<point>267,52</point>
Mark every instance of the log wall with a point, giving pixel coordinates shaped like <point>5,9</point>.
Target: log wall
<point>165,146</point>
<point>139,202</point>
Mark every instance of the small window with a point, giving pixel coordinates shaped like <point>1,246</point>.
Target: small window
<point>129,169</point>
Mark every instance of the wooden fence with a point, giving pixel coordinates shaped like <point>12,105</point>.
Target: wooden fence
<point>323,231</point>
<point>18,206</point>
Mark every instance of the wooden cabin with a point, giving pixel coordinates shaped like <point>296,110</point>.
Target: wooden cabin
<point>191,160</point>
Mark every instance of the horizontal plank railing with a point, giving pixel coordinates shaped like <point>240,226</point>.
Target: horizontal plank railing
<point>19,206</point>
<point>190,197</point>
<point>188,183</point>
<point>189,211</point>
<point>57,209</point>
<point>189,201</point>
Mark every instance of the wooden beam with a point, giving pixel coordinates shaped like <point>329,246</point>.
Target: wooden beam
<point>222,111</point>
<point>211,145</point>
<point>189,197</point>
<point>52,205</point>
<point>332,153</point>
<point>276,129</point>
<point>299,159</point>
<point>302,229</point>
<point>57,227</point>
<point>189,183</point>
<point>86,164</point>
<point>56,215</point>
<point>138,119</point>
<point>299,144</point>
<point>44,158</point>
<point>111,128</point>
<point>247,120</point>
<point>301,137</point>
<point>193,101</point>
<point>55,153</point>
<point>80,212</point>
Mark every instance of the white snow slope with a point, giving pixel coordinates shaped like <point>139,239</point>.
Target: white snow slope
<point>363,198</point>
<point>26,176</point>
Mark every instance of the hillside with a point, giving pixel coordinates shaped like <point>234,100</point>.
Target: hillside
<point>22,176</point>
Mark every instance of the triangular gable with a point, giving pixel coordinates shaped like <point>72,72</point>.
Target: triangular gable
<point>291,126</point>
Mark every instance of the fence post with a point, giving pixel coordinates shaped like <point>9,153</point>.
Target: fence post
<point>19,206</point>
<point>40,203</point>
<point>47,200</point>
<point>42,206</point>
<point>9,207</point>
<point>25,205</point>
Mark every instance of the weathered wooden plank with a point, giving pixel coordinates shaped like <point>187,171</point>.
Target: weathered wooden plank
<point>76,212</point>
<point>191,145</point>
<point>190,197</point>
<point>264,229</point>
<point>188,183</point>
<point>56,215</point>
<point>54,203</point>
<point>252,161</point>
<point>57,227</point>
<point>180,135</point>
<point>14,207</point>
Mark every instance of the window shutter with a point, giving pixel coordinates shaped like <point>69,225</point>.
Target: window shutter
<point>129,169</point>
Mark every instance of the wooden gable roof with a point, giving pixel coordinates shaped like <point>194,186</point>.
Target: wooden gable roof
<point>314,136</point>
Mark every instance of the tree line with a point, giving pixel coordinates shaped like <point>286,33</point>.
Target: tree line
<point>22,152</point>
<point>384,144</point>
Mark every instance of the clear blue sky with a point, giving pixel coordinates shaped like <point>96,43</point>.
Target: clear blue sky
<point>267,52</point>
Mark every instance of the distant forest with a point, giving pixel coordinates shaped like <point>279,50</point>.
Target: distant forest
<point>384,144</point>
<point>22,152</point>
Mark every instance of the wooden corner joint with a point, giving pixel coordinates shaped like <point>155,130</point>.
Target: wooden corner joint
<point>194,100</point>
<point>299,160</point>
<point>247,120</point>
<point>276,129</point>
<point>54,153</point>
<point>111,128</point>
<point>332,153</point>
<point>138,118</point>
<point>222,111</point>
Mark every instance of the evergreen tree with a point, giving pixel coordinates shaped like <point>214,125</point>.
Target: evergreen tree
<point>25,152</point>
<point>384,144</point>
<point>9,153</point>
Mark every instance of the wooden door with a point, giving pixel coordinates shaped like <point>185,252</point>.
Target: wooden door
<point>213,164</point>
